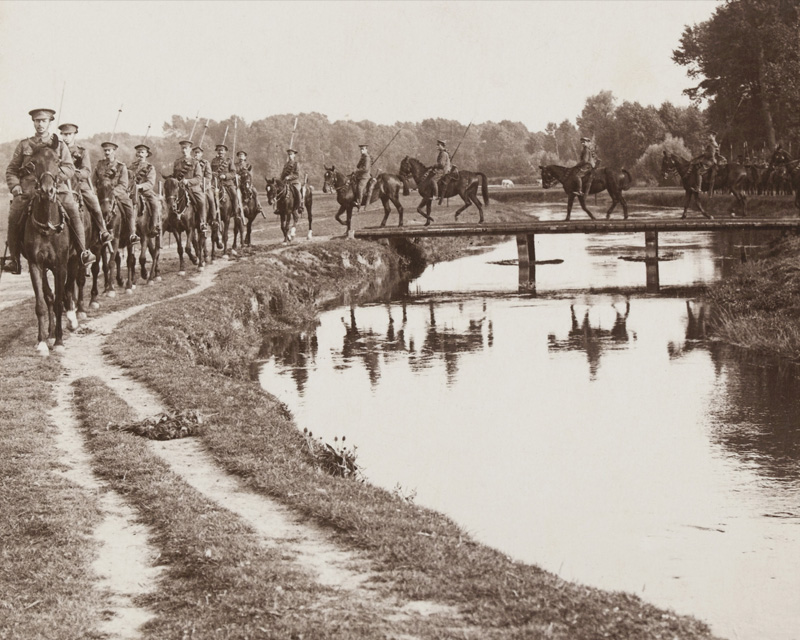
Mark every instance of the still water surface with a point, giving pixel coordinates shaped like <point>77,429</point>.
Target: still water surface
<point>597,435</point>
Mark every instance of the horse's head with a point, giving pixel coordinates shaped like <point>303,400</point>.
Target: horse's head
<point>548,177</point>
<point>270,189</point>
<point>41,172</point>
<point>245,181</point>
<point>330,179</point>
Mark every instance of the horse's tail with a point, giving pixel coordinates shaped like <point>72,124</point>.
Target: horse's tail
<point>624,179</point>
<point>484,188</point>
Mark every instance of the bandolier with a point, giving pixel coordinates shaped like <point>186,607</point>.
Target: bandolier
<point>116,173</point>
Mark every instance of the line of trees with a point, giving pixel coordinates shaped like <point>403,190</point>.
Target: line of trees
<point>745,60</point>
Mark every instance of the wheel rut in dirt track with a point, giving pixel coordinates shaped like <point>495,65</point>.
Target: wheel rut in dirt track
<point>302,542</point>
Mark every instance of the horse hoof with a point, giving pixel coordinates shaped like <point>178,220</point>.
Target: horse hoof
<point>72,320</point>
<point>133,286</point>
<point>233,253</point>
<point>129,292</point>
<point>82,315</point>
<point>158,278</point>
<point>181,273</point>
<point>42,349</point>
<point>309,235</point>
<point>59,349</point>
<point>150,283</point>
<point>351,235</point>
<point>201,268</point>
<point>51,342</point>
<point>94,305</point>
<point>112,294</point>
<point>225,256</point>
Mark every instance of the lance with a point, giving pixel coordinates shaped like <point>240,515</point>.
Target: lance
<point>146,133</point>
<point>197,117</point>
<point>291,140</point>
<point>462,140</point>
<point>61,104</point>
<point>384,149</point>
<point>225,137</point>
<point>235,173</point>
<point>205,128</point>
<point>235,122</point>
<point>119,112</point>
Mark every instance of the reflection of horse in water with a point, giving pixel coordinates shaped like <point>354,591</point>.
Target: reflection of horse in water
<point>295,351</point>
<point>583,336</point>
<point>695,330</point>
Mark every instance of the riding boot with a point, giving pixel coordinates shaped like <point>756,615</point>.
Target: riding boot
<point>16,221</point>
<point>79,234</point>
<point>299,194</point>
<point>434,189</point>
<point>443,190</point>
<point>370,188</point>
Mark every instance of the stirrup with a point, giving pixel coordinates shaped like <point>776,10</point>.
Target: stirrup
<point>13,266</point>
<point>87,258</point>
<point>134,239</point>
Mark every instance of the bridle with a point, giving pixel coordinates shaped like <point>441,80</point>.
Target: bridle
<point>49,196</point>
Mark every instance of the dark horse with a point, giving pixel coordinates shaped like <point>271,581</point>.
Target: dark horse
<point>604,180</point>
<point>182,219</point>
<point>150,238</point>
<point>250,207</point>
<point>120,234</point>
<point>465,185</point>
<point>227,212</point>
<point>46,245</point>
<point>338,183</point>
<point>281,196</point>
<point>732,176</point>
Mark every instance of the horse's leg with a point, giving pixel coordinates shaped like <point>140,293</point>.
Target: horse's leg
<point>386,209</point>
<point>93,303</point>
<point>570,200</point>
<point>59,280</point>
<point>613,206</point>
<point>310,217</point>
<point>582,200</point>
<point>130,268</point>
<point>179,243</point>
<point>428,216</point>
<point>349,233</point>
<point>246,239</point>
<point>339,213</point>
<point>47,296</point>
<point>397,205</point>
<point>118,264</point>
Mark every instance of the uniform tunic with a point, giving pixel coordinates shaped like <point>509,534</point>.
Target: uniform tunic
<point>188,169</point>
<point>144,174</point>
<point>83,175</point>
<point>116,173</point>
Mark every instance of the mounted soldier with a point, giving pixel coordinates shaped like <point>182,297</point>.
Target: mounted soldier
<point>442,167</point>
<point>190,173</point>
<point>117,174</point>
<point>706,162</point>
<point>244,167</point>
<point>81,181</point>
<point>583,172</point>
<point>144,182</point>
<point>22,186</point>
<point>224,170</point>
<point>362,178</point>
<point>212,211</point>
<point>779,157</point>
<point>291,176</point>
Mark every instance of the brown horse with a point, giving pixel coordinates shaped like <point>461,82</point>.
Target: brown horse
<point>182,219</point>
<point>46,246</point>
<point>466,186</point>
<point>150,239</point>
<point>338,183</point>
<point>387,187</point>
<point>227,213</point>
<point>604,180</point>
<point>731,176</point>
<point>250,207</point>
<point>281,196</point>
<point>120,234</point>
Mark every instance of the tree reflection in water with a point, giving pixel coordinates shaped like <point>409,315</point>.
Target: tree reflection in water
<point>593,339</point>
<point>294,351</point>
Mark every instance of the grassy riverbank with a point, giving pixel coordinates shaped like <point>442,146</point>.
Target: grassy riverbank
<point>758,308</point>
<point>415,553</point>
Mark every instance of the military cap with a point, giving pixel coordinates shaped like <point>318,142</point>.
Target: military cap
<point>68,128</point>
<point>110,145</point>
<point>185,143</point>
<point>220,146</point>
<point>144,146</point>
<point>362,146</point>
<point>291,151</point>
<point>42,113</point>
<point>442,142</point>
<point>199,148</point>
<point>241,153</point>
<point>585,139</point>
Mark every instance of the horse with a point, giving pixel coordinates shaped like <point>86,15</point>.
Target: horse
<point>465,185</point>
<point>182,219</point>
<point>281,196</point>
<point>336,181</point>
<point>250,209</point>
<point>120,234</point>
<point>150,239</point>
<point>604,180</point>
<point>46,246</point>
<point>732,176</point>
<point>227,211</point>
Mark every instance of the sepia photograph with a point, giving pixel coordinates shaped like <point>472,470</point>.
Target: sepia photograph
<point>400,320</point>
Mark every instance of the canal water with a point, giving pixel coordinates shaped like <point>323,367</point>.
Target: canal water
<point>590,429</point>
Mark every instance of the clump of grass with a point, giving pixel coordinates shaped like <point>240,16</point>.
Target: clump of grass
<point>337,460</point>
<point>169,425</point>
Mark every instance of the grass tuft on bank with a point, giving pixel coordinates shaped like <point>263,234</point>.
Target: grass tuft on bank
<point>204,345</point>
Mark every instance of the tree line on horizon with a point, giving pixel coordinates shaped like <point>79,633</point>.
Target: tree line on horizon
<point>745,60</point>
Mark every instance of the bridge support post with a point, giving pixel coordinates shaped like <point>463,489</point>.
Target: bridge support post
<point>526,251</point>
<point>651,260</point>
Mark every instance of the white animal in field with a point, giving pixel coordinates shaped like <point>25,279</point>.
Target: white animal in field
<point>506,183</point>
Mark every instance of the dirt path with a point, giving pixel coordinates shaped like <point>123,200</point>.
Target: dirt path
<point>125,565</point>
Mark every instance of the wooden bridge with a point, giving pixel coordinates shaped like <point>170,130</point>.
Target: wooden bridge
<point>526,232</point>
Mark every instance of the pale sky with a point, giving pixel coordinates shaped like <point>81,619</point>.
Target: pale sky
<point>532,62</point>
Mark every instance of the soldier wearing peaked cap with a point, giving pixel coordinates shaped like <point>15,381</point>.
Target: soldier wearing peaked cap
<point>291,176</point>
<point>208,189</point>
<point>190,173</point>
<point>362,177</point>
<point>225,172</point>
<point>82,179</point>
<point>245,170</point>
<point>442,168</point>
<point>144,182</point>
<point>22,185</point>
<point>583,172</point>
<point>111,170</point>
